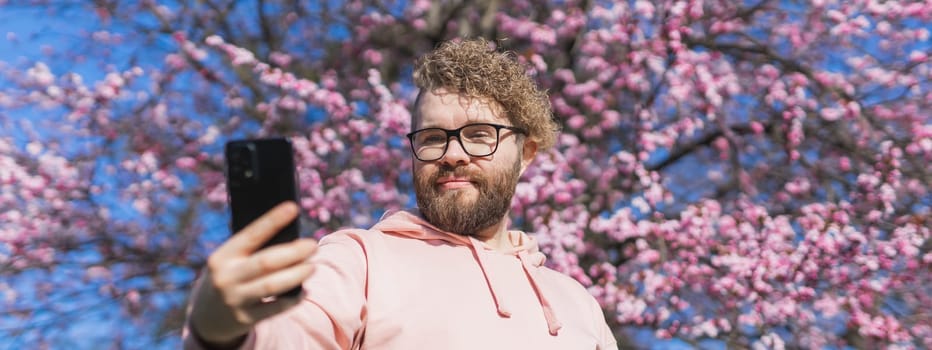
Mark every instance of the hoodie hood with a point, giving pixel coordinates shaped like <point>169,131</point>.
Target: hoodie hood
<point>411,224</point>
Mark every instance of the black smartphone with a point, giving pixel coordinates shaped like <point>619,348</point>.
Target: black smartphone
<point>260,174</point>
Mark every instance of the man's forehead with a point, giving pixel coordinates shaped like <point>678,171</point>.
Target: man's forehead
<point>475,108</point>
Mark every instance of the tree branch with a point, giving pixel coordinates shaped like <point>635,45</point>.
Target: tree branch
<point>703,141</point>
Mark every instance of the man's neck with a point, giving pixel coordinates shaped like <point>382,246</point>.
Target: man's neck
<point>496,236</point>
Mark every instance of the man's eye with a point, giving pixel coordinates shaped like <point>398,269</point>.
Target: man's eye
<point>431,139</point>
<point>480,134</point>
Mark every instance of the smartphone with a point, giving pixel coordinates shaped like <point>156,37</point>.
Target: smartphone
<point>260,174</point>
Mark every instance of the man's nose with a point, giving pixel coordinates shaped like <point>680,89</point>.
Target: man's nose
<point>455,153</point>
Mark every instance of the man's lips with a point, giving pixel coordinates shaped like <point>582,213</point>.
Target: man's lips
<point>454,182</point>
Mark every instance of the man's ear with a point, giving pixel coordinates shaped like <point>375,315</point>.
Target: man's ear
<point>528,152</point>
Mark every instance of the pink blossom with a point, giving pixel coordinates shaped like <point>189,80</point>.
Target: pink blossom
<point>769,341</point>
<point>214,40</point>
<point>240,56</point>
<point>99,272</point>
<point>175,61</point>
<point>374,57</point>
<point>644,8</point>
<point>40,74</point>
<point>209,136</point>
<point>576,122</point>
<point>538,62</point>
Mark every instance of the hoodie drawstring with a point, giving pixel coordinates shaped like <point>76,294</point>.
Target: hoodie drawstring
<point>529,264</point>
<point>499,304</point>
<point>552,323</point>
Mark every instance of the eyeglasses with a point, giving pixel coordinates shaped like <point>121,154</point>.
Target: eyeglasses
<point>478,140</point>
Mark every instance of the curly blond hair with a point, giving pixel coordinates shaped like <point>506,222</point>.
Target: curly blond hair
<point>473,68</point>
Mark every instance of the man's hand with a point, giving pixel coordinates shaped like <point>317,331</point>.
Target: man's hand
<point>239,277</point>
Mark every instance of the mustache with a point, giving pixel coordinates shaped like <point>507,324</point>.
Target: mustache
<point>446,170</point>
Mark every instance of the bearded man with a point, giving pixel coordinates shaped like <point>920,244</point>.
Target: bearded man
<point>449,275</point>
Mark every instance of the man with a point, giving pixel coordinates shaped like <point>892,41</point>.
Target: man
<point>447,276</point>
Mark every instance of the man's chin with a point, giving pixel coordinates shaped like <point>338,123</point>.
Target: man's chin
<point>459,191</point>
<point>460,196</point>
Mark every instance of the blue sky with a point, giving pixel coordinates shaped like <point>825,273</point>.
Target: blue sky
<point>27,35</point>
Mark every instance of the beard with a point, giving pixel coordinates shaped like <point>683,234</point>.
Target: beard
<point>453,210</point>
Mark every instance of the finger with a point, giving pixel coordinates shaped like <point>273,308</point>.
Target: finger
<point>274,283</point>
<point>273,259</point>
<point>254,235</point>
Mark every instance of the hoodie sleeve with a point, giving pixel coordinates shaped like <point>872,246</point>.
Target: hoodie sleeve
<point>332,314</point>
<point>607,339</point>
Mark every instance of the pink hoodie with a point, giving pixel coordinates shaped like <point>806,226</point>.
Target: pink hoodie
<point>404,284</point>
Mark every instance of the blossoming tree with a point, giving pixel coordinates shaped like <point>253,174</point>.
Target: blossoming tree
<point>753,174</point>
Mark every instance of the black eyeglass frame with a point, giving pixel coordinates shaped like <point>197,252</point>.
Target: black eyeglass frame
<point>456,132</point>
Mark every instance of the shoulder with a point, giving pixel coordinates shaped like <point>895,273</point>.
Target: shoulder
<point>580,307</point>
<point>368,244</point>
<point>562,279</point>
<point>349,236</point>
<point>569,291</point>
<point>564,282</point>
<point>347,246</point>
<point>364,238</point>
